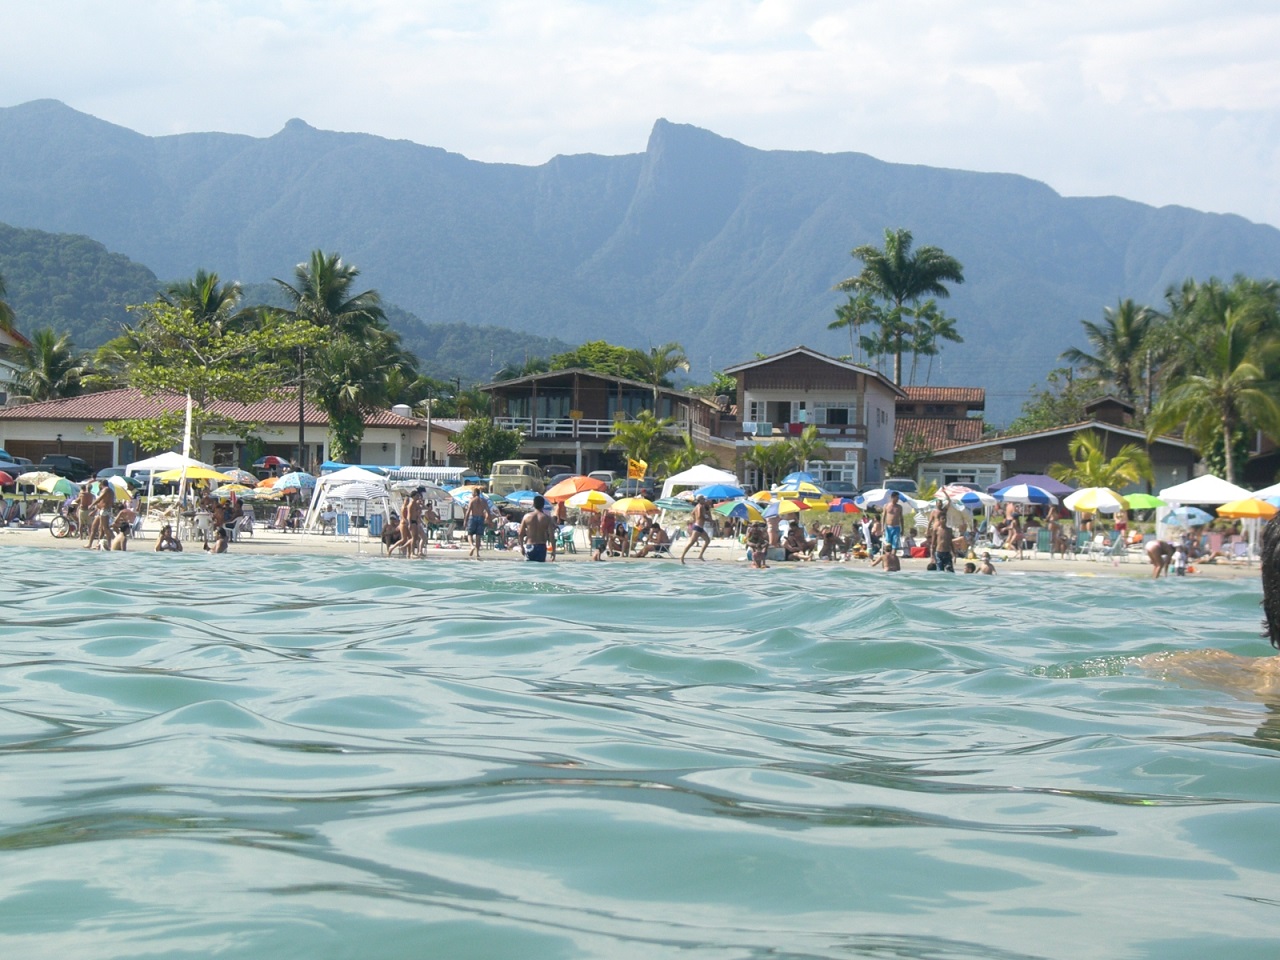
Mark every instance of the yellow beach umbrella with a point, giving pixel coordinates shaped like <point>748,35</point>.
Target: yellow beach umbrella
<point>192,473</point>
<point>634,506</point>
<point>590,500</point>
<point>762,496</point>
<point>1248,508</point>
<point>1095,499</point>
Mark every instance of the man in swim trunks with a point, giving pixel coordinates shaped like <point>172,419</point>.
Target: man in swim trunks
<point>698,528</point>
<point>942,541</point>
<point>893,521</point>
<point>477,515</point>
<point>104,507</point>
<point>537,531</point>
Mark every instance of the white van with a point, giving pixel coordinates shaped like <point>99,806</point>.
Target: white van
<point>508,476</point>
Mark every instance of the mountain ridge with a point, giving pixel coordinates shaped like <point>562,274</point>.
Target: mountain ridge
<point>728,249</point>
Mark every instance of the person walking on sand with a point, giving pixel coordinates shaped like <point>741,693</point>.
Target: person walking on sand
<point>537,531</point>
<point>698,528</point>
<point>893,521</point>
<point>477,514</point>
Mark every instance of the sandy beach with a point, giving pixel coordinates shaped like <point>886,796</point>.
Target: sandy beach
<point>721,551</point>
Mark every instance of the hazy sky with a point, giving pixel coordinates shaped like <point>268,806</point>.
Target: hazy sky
<point>1164,102</point>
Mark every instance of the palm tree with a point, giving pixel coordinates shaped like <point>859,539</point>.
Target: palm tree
<point>931,327</point>
<point>687,455</point>
<point>773,460</point>
<point>1232,388</point>
<point>322,294</point>
<point>1091,467</point>
<point>1121,344</point>
<point>658,362</point>
<point>808,447</point>
<point>643,438</point>
<point>898,277</point>
<point>7,316</point>
<point>49,367</point>
<point>206,297</point>
<point>856,313</point>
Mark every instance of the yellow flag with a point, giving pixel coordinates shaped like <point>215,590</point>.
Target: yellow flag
<point>636,469</point>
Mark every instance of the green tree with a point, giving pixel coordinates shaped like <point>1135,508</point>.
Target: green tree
<point>909,453</point>
<point>1091,467</point>
<point>656,366</point>
<point>809,447</point>
<point>206,297</point>
<point>898,276</point>
<point>686,455</point>
<point>49,368</point>
<point>601,357</point>
<point>644,438</point>
<point>854,314</point>
<point>930,328</point>
<point>176,352</point>
<point>345,373</point>
<point>1121,348</point>
<point>1061,402</point>
<point>7,317</point>
<point>772,460</point>
<point>1231,389</point>
<point>483,443</point>
<point>530,366</point>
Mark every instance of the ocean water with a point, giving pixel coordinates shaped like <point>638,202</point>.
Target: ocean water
<point>339,757</point>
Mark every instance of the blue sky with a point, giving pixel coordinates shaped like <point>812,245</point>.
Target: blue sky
<point>1163,102</point>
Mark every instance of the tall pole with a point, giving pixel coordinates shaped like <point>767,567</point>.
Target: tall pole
<point>302,423</point>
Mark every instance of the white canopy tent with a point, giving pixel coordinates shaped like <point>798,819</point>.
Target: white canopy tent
<point>698,476</point>
<point>327,485</point>
<point>159,464</point>
<point>1271,491</point>
<point>1209,490</point>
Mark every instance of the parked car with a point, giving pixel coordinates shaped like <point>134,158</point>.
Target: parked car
<point>606,476</point>
<point>839,488</point>
<point>13,465</point>
<point>73,468</point>
<point>508,476</point>
<point>646,488</point>
<point>553,470</point>
<point>902,485</point>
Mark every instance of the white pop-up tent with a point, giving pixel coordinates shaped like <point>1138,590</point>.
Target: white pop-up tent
<point>698,476</point>
<point>1209,490</point>
<point>328,484</point>
<point>159,464</point>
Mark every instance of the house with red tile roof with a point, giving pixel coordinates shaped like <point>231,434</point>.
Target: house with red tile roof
<point>75,426</point>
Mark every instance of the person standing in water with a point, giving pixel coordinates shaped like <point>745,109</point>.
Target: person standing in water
<point>537,531</point>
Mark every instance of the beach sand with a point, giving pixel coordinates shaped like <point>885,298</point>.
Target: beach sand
<point>721,551</point>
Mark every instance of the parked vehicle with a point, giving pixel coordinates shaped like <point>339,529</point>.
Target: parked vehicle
<point>553,470</point>
<point>508,476</point>
<point>646,488</point>
<point>839,488</point>
<point>902,485</point>
<point>73,468</point>
<point>608,477</point>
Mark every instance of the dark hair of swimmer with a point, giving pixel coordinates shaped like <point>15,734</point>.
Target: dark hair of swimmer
<point>1271,579</point>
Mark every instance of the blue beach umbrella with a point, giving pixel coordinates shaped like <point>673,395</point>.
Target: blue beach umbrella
<point>720,491</point>
<point>799,476</point>
<point>1187,517</point>
<point>1025,493</point>
<point>302,481</point>
<point>741,508</point>
<point>522,498</point>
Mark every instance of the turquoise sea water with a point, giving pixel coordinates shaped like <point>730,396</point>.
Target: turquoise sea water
<point>322,757</point>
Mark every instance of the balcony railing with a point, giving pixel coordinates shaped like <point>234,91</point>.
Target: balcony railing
<point>566,429</point>
<point>831,433</point>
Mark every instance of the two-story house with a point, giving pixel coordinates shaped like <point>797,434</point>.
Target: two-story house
<point>567,416</point>
<point>853,408</point>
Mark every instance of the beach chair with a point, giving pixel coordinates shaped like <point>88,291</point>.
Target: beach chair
<point>243,525</point>
<point>342,525</point>
<point>281,520</point>
<point>564,539</point>
<point>1044,542</point>
<point>377,522</point>
<point>1117,551</point>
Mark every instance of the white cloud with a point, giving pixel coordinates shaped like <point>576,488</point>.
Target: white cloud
<point>1166,102</point>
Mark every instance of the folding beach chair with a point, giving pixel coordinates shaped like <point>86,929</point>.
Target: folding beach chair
<point>281,520</point>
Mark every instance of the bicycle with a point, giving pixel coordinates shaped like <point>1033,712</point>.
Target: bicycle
<point>64,525</point>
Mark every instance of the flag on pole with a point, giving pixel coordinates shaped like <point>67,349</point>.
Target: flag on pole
<point>636,469</point>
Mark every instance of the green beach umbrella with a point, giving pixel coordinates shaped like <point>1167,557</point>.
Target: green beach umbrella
<point>1143,501</point>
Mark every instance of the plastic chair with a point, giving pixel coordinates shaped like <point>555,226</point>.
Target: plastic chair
<point>1044,541</point>
<point>564,539</point>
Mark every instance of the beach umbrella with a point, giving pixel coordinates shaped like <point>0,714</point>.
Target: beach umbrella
<point>271,461</point>
<point>192,473</point>
<point>634,506</point>
<point>357,490</point>
<point>720,491</point>
<point>1095,500</point>
<point>875,498</point>
<point>301,481</point>
<point>1186,517</point>
<point>674,504</point>
<point>842,505</point>
<point>762,496</point>
<point>567,487</point>
<point>522,498</point>
<point>1143,501</point>
<point>798,486</point>
<point>964,498</point>
<point>1250,508</point>
<point>268,483</point>
<point>590,500</point>
<point>1025,493</point>
<point>464,494</point>
<point>228,489</point>
<point>58,485</point>
<point>241,476</point>
<point>742,508</point>
<point>799,476</point>
<point>33,478</point>
<point>784,508</point>
<point>122,485</point>
<point>5,479</point>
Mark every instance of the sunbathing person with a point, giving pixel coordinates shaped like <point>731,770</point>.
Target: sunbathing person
<point>797,545</point>
<point>655,541</point>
